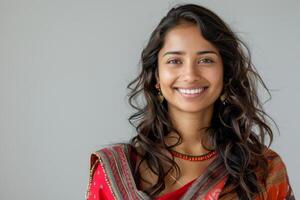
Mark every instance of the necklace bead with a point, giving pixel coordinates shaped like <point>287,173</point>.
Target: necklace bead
<point>203,157</point>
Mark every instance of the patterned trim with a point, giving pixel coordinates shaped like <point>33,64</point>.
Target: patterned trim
<point>92,170</point>
<point>277,185</point>
<point>119,177</point>
<point>115,162</point>
<point>214,174</point>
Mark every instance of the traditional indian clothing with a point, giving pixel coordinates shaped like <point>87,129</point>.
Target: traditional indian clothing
<point>111,178</point>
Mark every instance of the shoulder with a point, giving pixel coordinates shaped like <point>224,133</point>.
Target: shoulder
<point>276,166</point>
<point>102,164</point>
<point>114,146</point>
<point>271,155</point>
<point>108,152</point>
<point>277,180</point>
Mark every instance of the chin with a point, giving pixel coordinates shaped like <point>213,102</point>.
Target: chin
<point>192,108</point>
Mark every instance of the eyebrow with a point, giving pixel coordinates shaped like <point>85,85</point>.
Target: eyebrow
<point>182,53</point>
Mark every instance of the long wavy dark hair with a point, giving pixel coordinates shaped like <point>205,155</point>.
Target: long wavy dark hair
<point>238,129</point>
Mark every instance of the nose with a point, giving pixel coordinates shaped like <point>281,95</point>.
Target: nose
<point>190,72</point>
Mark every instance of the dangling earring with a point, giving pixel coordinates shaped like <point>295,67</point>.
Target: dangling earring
<point>223,99</point>
<point>160,97</point>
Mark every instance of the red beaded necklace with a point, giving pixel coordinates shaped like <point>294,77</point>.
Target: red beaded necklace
<point>203,157</point>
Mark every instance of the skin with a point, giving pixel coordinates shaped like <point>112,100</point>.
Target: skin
<point>188,69</point>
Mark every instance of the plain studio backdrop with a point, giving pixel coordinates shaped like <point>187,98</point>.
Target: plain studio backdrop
<point>64,68</point>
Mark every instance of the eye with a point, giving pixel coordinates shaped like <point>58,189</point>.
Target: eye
<point>173,61</point>
<point>206,60</point>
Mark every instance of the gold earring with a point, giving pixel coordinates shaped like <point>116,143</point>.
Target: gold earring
<point>223,99</point>
<point>160,97</point>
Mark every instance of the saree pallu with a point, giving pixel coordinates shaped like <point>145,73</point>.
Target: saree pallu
<point>111,178</point>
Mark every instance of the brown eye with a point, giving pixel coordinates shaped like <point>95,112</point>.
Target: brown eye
<point>173,61</point>
<point>206,60</point>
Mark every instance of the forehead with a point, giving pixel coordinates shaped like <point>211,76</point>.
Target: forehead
<point>186,37</point>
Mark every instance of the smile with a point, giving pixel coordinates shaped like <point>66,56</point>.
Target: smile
<point>191,93</point>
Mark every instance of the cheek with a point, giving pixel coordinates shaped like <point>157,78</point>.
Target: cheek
<point>166,77</point>
<point>216,77</point>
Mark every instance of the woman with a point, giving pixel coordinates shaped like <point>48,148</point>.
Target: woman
<point>201,133</point>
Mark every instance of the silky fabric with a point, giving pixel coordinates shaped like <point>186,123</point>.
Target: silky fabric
<point>111,178</point>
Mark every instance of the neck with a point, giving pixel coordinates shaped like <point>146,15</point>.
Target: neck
<point>191,128</point>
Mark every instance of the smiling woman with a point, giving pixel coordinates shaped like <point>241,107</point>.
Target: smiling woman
<point>201,134</point>
<point>193,81</point>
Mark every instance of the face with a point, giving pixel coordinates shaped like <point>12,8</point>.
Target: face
<point>190,70</point>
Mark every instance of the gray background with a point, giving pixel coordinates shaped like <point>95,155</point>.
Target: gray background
<point>64,68</point>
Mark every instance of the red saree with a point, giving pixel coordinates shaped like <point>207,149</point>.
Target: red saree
<point>111,178</point>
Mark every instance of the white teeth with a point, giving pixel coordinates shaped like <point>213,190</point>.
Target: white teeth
<point>192,91</point>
